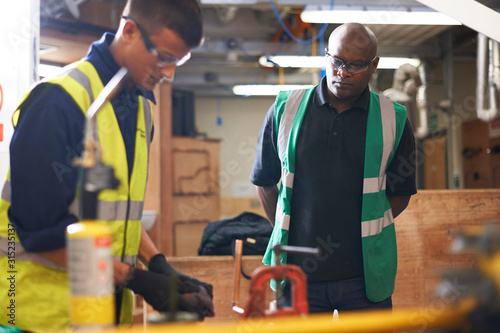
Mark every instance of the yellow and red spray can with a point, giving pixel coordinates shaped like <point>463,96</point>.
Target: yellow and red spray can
<point>90,270</point>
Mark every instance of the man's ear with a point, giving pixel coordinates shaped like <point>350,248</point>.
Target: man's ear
<point>375,64</point>
<point>129,31</point>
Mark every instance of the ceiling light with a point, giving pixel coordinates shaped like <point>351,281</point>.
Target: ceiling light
<point>228,2</point>
<point>46,48</point>
<point>375,15</point>
<point>319,62</point>
<point>265,89</point>
<point>293,61</point>
<point>396,62</point>
<point>48,70</point>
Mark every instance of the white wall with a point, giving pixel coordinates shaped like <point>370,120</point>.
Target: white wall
<point>20,27</point>
<point>242,118</point>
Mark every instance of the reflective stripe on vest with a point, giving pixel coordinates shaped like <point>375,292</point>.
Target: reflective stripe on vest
<point>22,255</point>
<point>290,108</point>
<point>113,210</point>
<point>377,184</point>
<point>6,191</point>
<point>83,79</point>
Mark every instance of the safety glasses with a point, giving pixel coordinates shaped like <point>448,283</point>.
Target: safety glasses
<point>352,66</point>
<point>162,58</point>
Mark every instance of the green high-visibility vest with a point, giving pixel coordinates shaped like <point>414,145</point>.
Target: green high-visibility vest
<point>385,124</point>
<point>42,290</point>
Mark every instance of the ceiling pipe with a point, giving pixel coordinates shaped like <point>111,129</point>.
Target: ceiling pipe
<point>488,73</point>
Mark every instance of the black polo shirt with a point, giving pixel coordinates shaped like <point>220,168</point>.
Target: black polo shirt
<point>328,183</point>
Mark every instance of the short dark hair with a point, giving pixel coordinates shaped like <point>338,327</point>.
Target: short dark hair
<point>181,16</point>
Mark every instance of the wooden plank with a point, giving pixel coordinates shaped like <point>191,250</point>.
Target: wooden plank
<point>195,153</point>
<point>166,202</point>
<point>409,293</point>
<point>153,189</point>
<point>158,189</point>
<point>187,237</point>
<point>193,171</point>
<point>231,207</point>
<point>425,232</point>
<point>196,207</point>
<point>476,164</point>
<point>435,163</point>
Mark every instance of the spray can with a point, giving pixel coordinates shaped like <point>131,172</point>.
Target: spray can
<point>90,270</point>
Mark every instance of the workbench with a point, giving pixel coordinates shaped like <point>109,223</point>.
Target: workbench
<point>424,230</point>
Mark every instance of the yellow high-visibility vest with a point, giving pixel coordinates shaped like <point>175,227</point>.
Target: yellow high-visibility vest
<point>41,288</point>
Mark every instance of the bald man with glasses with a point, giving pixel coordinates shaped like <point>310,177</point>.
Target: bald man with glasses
<point>346,160</point>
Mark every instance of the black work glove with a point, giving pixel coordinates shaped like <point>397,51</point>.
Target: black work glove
<point>156,289</point>
<point>187,284</point>
<point>202,302</point>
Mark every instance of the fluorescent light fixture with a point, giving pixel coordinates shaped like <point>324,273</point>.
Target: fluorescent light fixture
<point>396,62</point>
<point>293,61</point>
<point>320,62</point>
<point>228,2</point>
<point>265,89</point>
<point>46,48</point>
<point>376,15</point>
<point>48,70</point>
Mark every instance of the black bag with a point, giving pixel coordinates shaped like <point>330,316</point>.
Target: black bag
<point>219,237</point>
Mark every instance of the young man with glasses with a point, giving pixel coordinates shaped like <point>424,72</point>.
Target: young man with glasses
<point>345,157</point>
<point>40,198</point>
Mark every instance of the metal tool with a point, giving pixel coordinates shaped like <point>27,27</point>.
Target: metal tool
<point>297,250</point>
<point>90,238</point>
<point>291,273</point>
<point>92,152</point>
<point>96,176</point>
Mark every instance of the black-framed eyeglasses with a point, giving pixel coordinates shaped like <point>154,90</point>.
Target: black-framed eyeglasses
<point>162,58</point>
<point>352,66</point>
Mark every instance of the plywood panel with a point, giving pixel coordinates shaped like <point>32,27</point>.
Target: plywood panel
<point>195,179</point>
<point>187,237</point>
<point>425,232</point>
<point>235,206</point>
<point>153,193</point>
<point>494,151</point>
<point>476,160</point>
<point>196,207</point>
<point>435,163</point>
<point>192,171</point>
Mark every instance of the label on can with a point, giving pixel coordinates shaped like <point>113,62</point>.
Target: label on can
<point>90,266</point>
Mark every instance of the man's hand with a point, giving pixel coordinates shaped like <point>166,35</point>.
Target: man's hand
<point>202,302</point>
<point>159,291</point>
<point>187,284</point>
